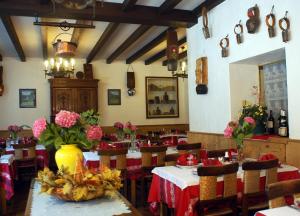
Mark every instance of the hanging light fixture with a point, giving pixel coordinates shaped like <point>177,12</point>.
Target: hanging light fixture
<point>182,66</point>
<point>62,65</point>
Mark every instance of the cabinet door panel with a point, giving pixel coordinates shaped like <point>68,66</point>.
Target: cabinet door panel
<point>62,99</point>
<point>86,99</point>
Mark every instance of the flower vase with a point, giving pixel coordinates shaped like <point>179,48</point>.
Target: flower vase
<point>133,143</point>
<point>120,135</point>
<point>240,155</point>
<point>67,156</point>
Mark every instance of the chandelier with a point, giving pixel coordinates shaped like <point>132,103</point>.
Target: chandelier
<point>63,64</point>
<point>75,4</point>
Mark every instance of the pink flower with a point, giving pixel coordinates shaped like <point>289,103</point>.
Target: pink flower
<point>133,127</point>
<point>94,133</point>
<point>118,125</point>
<point>38,127</point>
<point>228,132</point>
<point>66,119</point>
<point>249,120</point>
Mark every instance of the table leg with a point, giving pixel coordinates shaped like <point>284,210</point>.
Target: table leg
<point>133,192</point>
<point>3,201</point>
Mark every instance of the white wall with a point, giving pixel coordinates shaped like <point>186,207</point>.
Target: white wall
<point>211,112</point>
<point>242,79</point>
<point>30,74</point>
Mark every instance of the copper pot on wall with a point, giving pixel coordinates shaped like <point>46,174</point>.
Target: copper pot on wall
<point>64,49</point>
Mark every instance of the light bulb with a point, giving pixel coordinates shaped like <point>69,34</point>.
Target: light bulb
<point>66,64</point>
<point>183,66</point>
<point>57,66</point>
<point>52,62</point>
<point>60,60</point>
<point>46,63</point>
<point>72,63</point>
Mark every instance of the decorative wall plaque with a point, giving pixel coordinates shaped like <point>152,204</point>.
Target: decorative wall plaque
<point>205,23</point>
<point>238,30</point>
<point>201,75</point>
<point>224,44</point>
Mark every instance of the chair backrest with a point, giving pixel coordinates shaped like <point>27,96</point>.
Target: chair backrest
<point>31,153</point>
<point>147,152</point>
<point>277,191</point>
<point>189,148</point>
<point>252,171</point>
<point>216,153</point>
<point>171,159</point>
<point>208,181</point>
<point>106,154</point>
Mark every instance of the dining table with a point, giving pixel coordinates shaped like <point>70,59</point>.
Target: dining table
<point>178,186</point>
<point>291,210</point>
<point>8,171</point>
<point>44,204</point>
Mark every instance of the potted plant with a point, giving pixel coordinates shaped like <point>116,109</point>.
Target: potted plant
<point>239,131</point>
<point>69,134</point>
<point>258,113</point>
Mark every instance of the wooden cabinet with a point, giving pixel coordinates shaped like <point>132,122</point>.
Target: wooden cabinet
<point>73,95</point>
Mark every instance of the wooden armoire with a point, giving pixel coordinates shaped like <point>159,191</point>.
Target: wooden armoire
<point>76,95</point>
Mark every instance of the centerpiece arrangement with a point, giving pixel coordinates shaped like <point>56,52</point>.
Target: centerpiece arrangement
<point>130,130</point>
<point>258,113</point>
<point>70,133</point>
<point>119,130</point>
<point>239,131</point>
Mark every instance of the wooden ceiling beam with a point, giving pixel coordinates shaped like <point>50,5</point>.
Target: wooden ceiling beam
<point>149,46</point>
<point>168,6</point>
<point>209,4</point>
<point>104,38</point>
<point>128,5</point>
<point>128,42</point>
<point>7,22</point>
<point>110,12</point>
<point>180,56</point>
<point>77,32</point>
<point>162,53</point>
<point>44,37</point>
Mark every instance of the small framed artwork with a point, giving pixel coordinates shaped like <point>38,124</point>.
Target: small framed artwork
<point>114,96</point>
<point>27,98</point>
<point>162,97</point>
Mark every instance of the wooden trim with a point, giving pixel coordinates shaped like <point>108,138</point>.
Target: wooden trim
<point>72,83</point>
<point>104,38</point>
<point>9,26</point>
<point>128,5</point>
<point>208,5</point>
<point>44,37</point>
<point>167,6</point>
<point>110,12</point>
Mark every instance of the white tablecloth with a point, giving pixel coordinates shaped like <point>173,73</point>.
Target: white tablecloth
<point>281,211</point>
<point>43,204</point>
<point>7,159</point>
<point>173,135</point>
<point>37,147</point>
<point>93,156</point>
<point>185,177</point>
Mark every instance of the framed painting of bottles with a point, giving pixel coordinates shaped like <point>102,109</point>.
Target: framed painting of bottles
<point>162,97</point>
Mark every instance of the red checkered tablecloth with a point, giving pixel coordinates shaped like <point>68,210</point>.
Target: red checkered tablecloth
<point>179,187</point>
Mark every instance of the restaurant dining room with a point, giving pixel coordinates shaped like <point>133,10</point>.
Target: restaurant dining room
<point>146,108</point>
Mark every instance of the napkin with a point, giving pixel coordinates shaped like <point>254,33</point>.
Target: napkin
<point>211,162</point>
<point>187,160</point>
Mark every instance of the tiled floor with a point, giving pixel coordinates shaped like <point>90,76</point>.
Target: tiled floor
<point>16,206</point>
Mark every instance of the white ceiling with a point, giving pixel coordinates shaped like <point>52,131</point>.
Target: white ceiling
<point>30,35</point>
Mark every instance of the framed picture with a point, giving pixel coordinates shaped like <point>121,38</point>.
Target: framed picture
<point>114,96</point>
<point>27,98</point>
<point>162,97</point>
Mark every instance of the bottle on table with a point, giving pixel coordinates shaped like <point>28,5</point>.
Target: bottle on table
<point>270,123</point>
<point>282,124</point>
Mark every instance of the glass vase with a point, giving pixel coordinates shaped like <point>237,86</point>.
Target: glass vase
<point>133,143</point>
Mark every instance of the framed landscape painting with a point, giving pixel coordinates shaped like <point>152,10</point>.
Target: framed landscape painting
<point>27,98</point>
<point>162,97</point>
<point>114,96</point>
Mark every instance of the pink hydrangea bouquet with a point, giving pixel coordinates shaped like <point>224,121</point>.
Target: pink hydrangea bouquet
<point>240,130</point>
<point>130,129</point>
<point>69,128</point>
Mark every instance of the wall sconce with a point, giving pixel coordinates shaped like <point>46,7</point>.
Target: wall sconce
<point>130,82</point>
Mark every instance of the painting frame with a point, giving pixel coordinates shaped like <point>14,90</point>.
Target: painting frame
<point>27,98</point>
<point>114,96</point>
<point>162,99</point>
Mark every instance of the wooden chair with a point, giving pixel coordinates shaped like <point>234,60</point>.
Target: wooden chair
<point>147,153</point>
<point>216,153</point>
<point>252,191</point>
<point>121,163</point>
<point>25,162</point>
<point>226,204</point>
<point>171,159</point>
<point>277,191</point>
<point>189,148</point>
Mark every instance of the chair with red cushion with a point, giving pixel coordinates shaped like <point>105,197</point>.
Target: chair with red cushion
<point>189,148</point>
<point>209,202</point>
<point>253,197</point>
<point>26,164</point>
